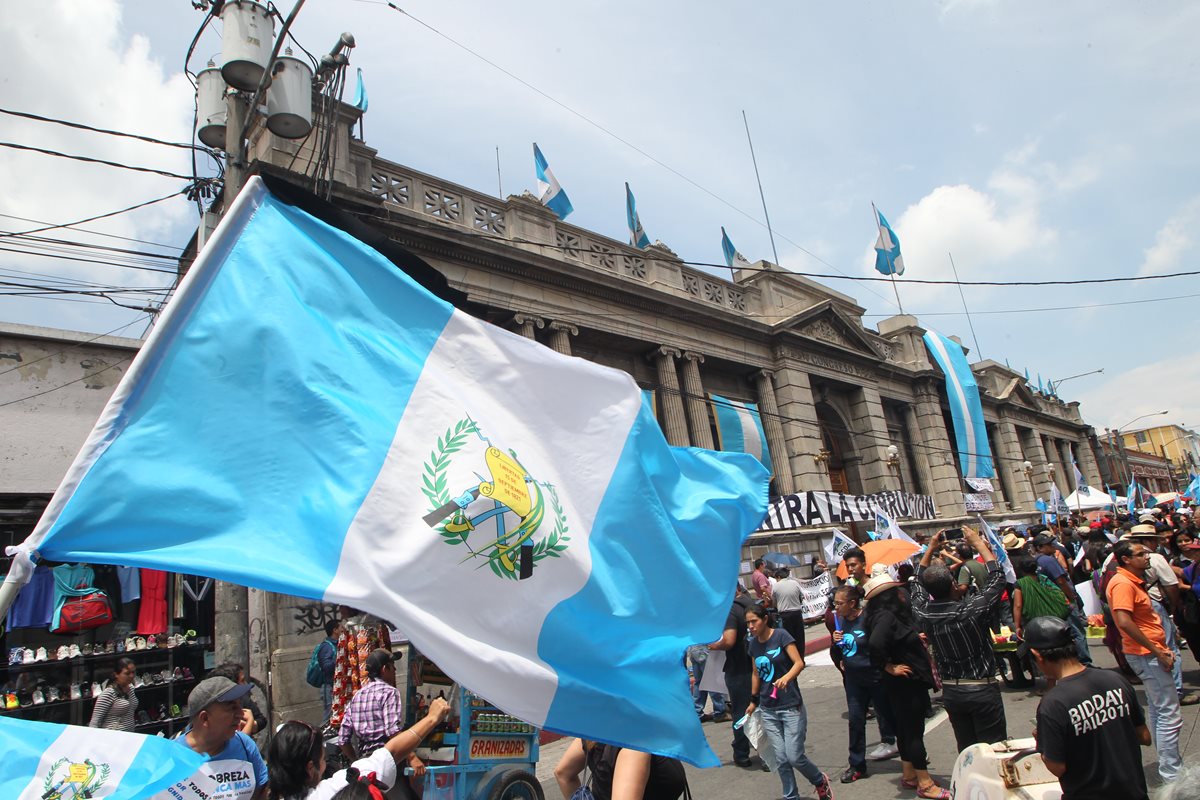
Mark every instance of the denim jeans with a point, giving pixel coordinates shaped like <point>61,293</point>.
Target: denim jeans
<point>862,688</point>
<point>1079,634</point>
<point>326,702</point>
<point>1164,716</point>
<point>700,698</point>
<point>787,728</point>
<point>1172,634</point>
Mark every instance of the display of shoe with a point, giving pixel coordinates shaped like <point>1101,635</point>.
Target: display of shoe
<point>27,656</point>
<point>38,697</point>
<point>40,655</point>
<point>140,643</point>
<point>151,642</point>
<point>177,675</point>
<point>75,652</point>
<point>85,690</point>
<point>109,647</point>
<point>130,643</point>
<point>119,645</point>
<point>86,649</point>
<point>53,695</point>
<point>10,701</point>
<point>14,655</point>
<point>143,718</point>
<point>176,711</point>
<point>75,693</point>
<point>25,698</point>
<point>187,674</point>
<point>852,774</point>
<point>190,636</point>
<point>96,689</point>
<point>62,653</point>
<point>883,751</point>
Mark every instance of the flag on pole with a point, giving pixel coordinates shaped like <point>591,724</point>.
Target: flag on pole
<point>966,409</point>
<point>309,420</point>
<point>733,259</point>
<point>1028,382</point>
<point>48,760</point>
<point>360,93</point>
<point>1041,389</point>
<point>1193,488</point>
<point>1010,574</point>
<point>550,193</point>
<point>888,260</point>
<point>1081,484</point>
<point>1131,496</point>
<point>637,236</point>
<point>740,428</point>
<point>887,528</point>
<point>1112,495</point>
<point>838,544</point>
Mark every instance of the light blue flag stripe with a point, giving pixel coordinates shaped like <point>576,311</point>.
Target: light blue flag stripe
<point>120,766</point>
<point>360,93</point>
<point>740,428</point>
<point>708,551</point>
<point>355,378</point>
<point>966,410</point>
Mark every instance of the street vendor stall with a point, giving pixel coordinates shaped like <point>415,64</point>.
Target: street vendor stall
<point>479,751</point>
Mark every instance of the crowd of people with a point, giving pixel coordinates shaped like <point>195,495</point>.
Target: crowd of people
<point>901,632</point>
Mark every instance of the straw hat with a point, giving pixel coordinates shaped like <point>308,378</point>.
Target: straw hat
<point>877,585</point>
<point>1139,531</point>
<point>1012,542</point>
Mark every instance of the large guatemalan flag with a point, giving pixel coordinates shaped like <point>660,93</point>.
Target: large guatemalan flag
<point>740,428</point>
<point>64,762</point>
<point>966,411</point>
<point>307,419</point>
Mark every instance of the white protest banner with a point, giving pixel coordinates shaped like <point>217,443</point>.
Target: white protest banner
<point>837,547</point>
<point>816,595</point>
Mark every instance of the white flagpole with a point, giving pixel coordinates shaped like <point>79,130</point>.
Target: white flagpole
<point>892,274</point>
<point>967,311</point>
<point>763,197</point>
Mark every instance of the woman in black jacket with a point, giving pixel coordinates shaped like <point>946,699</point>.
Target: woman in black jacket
<point>897,650</point>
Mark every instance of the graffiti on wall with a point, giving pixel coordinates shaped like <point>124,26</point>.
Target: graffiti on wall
<point>311,617</point>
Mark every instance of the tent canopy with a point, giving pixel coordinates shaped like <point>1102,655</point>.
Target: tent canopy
<point>1091,498</point>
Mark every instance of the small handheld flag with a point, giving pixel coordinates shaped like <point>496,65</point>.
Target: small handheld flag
<point>637,236</point>
<point>550,193</point>
<point>733,259</point>
<point>888,260</point>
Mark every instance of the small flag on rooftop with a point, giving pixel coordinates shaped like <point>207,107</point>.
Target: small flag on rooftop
<point>550,193</point>
<point>733,259</point>
<point>360,93</point>
<point>637,235</point>
<point>888,260</point>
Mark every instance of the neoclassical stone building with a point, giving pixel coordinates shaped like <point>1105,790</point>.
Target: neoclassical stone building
<point>845,408</point>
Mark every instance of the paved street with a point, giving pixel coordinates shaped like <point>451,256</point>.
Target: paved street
<point>827,743</point>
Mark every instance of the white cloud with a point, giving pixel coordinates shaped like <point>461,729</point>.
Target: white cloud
<point>1173,240</point>
<point>1124,396</point>
<point>112,83</point>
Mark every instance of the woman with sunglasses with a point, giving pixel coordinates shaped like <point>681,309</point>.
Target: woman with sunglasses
<point>296,758</point>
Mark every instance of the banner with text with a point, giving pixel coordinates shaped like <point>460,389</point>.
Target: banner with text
<point>826,508</point>
<point>816,595</point>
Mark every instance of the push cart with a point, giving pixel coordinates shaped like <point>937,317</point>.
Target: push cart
<point>479,752</point>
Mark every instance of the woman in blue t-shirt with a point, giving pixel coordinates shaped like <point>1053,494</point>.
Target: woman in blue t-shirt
<point>774,692</point>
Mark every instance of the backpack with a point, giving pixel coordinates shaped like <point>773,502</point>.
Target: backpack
<point>314,675</point>
<point>1041,598</point>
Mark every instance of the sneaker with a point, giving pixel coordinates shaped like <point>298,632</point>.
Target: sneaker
<point>177,675</point>
<point>96,690</point>
<point>151,642</point>
<point>27,656</point>
<point>38,697</point>
<point>722,717</point>
<point>824,790</point>
<point>140,643</point>
<point>14,656</point>
<point>75,652</point>
<point>52,695</point>
<point>75,693</point>
<point>176,711</point>
<point>41,655</point>
<point>1189,699</point>
<point>63,653</point>
<point>119,645</point>
<point>853,774</point>
<point>86,649</point>
<point>883,751</point>
<point>130,643</point>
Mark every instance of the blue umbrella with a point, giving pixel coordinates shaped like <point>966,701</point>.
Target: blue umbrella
<point>782,560</point>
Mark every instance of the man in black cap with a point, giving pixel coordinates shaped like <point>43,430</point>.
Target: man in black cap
<point>1089,725</point>
<point>235,769</point>
<point>374,714</point>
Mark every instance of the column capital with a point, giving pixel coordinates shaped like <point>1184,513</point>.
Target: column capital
<point>522,318</point>
<point>761,374</point>
<point>663,350</point>
<point>559,325</point>
<point>692,355</point>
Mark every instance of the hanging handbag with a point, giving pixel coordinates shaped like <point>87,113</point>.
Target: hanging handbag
<point>83,613</point>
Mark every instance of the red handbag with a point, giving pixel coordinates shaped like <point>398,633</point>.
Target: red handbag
<point>84,613</point>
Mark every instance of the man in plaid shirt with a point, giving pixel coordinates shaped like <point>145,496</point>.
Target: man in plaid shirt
<point>374,714</point>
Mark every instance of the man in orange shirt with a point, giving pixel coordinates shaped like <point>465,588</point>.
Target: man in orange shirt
<point>1146,650</point>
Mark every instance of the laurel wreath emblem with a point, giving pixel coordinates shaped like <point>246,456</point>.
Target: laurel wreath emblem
<point>437,491</point>
<point>53,788</point>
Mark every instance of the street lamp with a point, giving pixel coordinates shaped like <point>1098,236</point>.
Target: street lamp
<point>1027,468</point>
<point>1055,384</point>
<point>1123,454</point>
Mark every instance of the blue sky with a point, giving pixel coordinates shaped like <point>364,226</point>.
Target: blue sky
<point>1029,139</point>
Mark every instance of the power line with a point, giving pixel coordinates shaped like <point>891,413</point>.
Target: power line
<point>76,344</point>
<point>90,160</point>
<point>68,383</point>
<point>87,260</point>
<point>82,127</point>
<point>1050,308</point>
<point>92,219</point>
<point>92,233</point>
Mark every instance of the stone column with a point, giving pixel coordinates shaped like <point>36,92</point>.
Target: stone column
<point>1053,456</point>
<point>526,323</point>
<point>931,427</point>
<point>1009,466</point>
<point>801,431</point>
<point>1087,461</point>
<point>1035,452</point>
<point>694,402</point>
<point>871,440</point>
<point>674,423</point>
<point>560,336</point>
<point>920,454</point>
<point>1000,490</point>
<point>773,427</point>
<point>1064,454</point>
